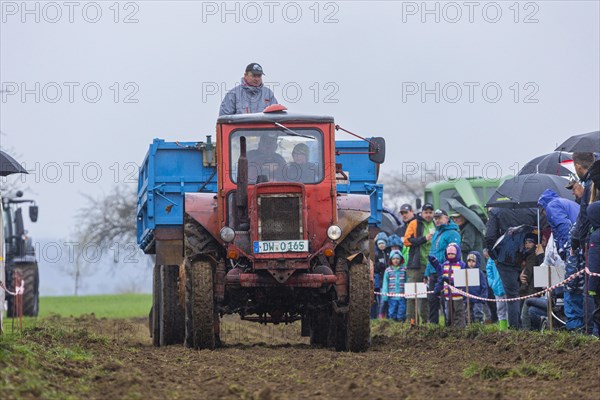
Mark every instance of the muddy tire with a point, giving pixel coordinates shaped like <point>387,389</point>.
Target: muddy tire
<point>357,242</point>
<point>200,305</point>
<point>358,320</point>
<point>352,331</point>
<point>31,301</point>
<point>171,321</point>
<point>198,242</point>
<point>155,310</point>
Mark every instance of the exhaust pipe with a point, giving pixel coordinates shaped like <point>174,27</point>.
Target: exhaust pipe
<point>242,188</point>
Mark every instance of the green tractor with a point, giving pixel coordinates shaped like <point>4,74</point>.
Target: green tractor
<point>20,262</point>
<point>472,192</point>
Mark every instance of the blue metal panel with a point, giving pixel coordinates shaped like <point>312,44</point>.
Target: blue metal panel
<point>362,174</point>
<point>167,173</point>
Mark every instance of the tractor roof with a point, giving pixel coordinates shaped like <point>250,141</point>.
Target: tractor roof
<point>271,117</point>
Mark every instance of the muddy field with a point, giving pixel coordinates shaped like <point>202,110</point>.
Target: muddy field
<point>274,362</point>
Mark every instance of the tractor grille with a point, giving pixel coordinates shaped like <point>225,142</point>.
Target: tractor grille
<point>280,217</point>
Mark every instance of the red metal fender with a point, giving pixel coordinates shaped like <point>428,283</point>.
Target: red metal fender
<point>203,208</point>
<point>352,210</point>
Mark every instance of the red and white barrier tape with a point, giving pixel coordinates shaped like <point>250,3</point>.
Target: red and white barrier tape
<point>19,290</point>
<point>463,293</point>
<point>587,271</point>
<point>410,296</point>
<point>529,296</point>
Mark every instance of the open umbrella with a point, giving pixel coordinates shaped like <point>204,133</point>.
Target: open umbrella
<point>586,142</point>
<point>554,163</point>
<point>523,191</point>
<point>9,165</point>
<point>466,212</point>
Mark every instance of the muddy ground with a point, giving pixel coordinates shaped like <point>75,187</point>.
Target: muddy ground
<point>274,362</point>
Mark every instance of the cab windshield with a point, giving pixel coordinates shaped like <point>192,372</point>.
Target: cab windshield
<point>277,156</point>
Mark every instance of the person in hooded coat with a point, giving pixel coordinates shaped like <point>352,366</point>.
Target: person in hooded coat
<point>455,309</point>
<point>380,264</point>
<point>500,220</point>
<point>446,232</point>
<point>561,214</point>
<point>394,280</point>
<point>477,306</point>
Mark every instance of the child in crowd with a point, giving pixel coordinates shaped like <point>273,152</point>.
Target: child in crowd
<point>531,255</point>
<point>380,264</point>
<point>455,310</point>
<point>493,279</point>
<point>394,279</point>
<point>477,306</point>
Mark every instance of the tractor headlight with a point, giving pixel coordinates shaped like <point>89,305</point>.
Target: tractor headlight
<point>334,232</point>
<point>227,234</point>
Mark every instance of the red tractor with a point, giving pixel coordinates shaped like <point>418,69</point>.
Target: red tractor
<point>275,244</point>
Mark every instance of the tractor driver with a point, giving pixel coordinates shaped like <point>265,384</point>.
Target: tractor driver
<point>250,96</point>
<point>300,170</point>
<point>265,160</point>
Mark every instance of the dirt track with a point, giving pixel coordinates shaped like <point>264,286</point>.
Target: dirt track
<point>275,363</point>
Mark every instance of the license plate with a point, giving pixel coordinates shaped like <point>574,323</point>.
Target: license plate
<point>280,246</point>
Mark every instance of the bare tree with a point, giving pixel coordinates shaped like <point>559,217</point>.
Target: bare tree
<point>109,223</point>
<point>399,189</point>
<point>80,260</point>
<point>110,219</point>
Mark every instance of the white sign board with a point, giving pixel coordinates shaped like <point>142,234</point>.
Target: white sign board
<point>460,277</point>
<point>540,276</point>
<point>415,287</point>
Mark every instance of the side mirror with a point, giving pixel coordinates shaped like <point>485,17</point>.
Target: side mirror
<point>377,150</point>
<point>419,203</point>
<point>33,213</point>
<point>19,226</point>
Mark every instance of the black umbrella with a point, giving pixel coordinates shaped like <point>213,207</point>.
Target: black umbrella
<point>548,164</point>
<point>523,191</point>
<point>9,165</point>
<point>586,142</point>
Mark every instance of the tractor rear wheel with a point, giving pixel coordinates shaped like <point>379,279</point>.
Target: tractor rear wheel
<point>352,330</point>
<point>155,310</point>
<point>201,253</point>
<point>166,315</point>
<point>358,324</point>
<point>30,274</point>
<point>171,321</point>
<point>200,305</point>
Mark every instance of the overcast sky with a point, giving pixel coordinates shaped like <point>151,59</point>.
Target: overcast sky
<point>493,83</point>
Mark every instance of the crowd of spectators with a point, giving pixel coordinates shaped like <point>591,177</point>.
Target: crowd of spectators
<point>431,245</point>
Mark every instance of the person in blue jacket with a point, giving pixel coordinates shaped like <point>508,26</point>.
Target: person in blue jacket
<point>477,306</point>
<point>561,214</point>
<point>446,232</point>
<point>495,282</point>
<point>394,280</point>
